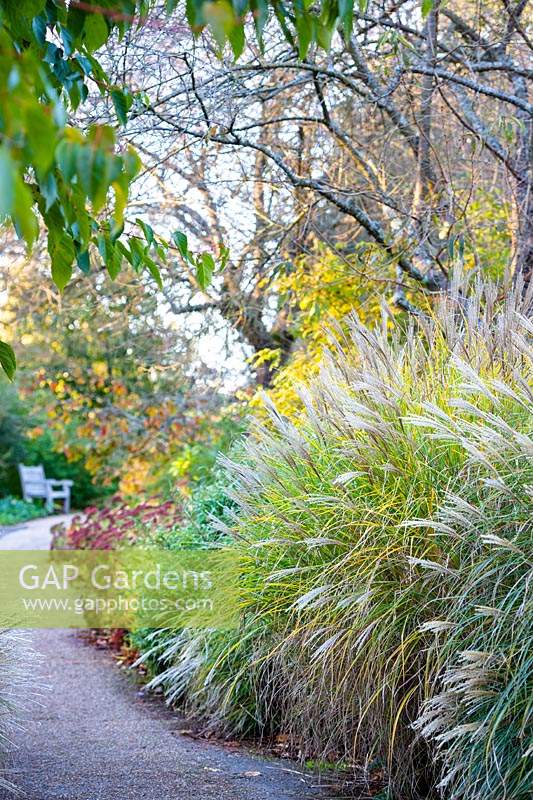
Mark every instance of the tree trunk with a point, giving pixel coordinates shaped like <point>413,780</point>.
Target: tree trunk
<point>426,191</point>
<point>523,235</point>
<point>523,204</point>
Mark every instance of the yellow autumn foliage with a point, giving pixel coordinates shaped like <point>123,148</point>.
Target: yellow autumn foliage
<point>135,477</point>
<point>323,289</point>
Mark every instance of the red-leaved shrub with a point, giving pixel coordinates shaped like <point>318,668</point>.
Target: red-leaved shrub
<point>108,528</point>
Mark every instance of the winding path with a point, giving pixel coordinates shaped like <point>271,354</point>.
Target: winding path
<point>92,736</point>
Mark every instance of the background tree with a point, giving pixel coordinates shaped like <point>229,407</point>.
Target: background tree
<point>394,62</point>
<point>112,385</point>
<point>344,145</point>
<point>278,154</point>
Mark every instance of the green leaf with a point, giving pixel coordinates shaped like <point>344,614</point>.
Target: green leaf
<point>7,182</point>
<point>103,136</point>
<point>224,257</point>
<point>221,20</point>
<point>115,233</point>
<point>161,253</point>
<point>23,217</point>
<point>120,188</point>
<point>111,256</point>
<point>39,29</point>
<point>8,361</point>
<point>260,16</point>
<point>84,262</point>
<point>237,40</point>
<point>147,230</point>
<point>75,20</point>
<point>195,15</point>
<point>74,94</point>
<point>241,7</point>
<point>85,64</point>
<point>281,17</point>
<point>66,157</point>
<point>115,168</point>
<point>48,189</point>
<point>19,15</point>
<point>427,6</point>
<point>79,218</point>
<point>67,39</point>
<point>153,269</point>
<point>122,103</point>
<point>132,163</point>
<point>346,13</point>
<point>324,35</point>
<point>304,26</point>
<point>137,249</point>
<point>96,31</point>
<point>205,266</point>
<point>41,134</point>
<point>99,179</point>
<point>62,254</point>
<point>84,168</point>
<point>180,240</point>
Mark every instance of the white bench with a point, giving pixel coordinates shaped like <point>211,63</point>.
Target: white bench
<point>35,484</point>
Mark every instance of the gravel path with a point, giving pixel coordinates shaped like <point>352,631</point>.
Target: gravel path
<point>92,736</point>
<point>32,535</point>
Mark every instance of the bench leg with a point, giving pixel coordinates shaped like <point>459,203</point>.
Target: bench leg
<point>66,504</point>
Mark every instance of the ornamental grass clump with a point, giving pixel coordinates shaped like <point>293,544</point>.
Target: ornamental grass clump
<point>350,559</point>
<point>479,714</point>
<point>15,689</point>
<point>385,545</point>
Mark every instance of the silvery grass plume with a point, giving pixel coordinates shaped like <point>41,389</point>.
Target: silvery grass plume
<point>17,689</point>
